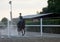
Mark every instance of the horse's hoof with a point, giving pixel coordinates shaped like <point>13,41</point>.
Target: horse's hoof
<point>22,34</point>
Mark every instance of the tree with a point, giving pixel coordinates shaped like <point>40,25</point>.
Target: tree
<point>4,21</point>
<point>53,6</point>
<point>45,10</point>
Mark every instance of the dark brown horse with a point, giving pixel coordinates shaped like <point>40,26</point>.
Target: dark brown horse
<point>21,26</point>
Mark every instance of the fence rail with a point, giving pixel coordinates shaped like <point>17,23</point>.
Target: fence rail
<point>45,25</point>
<point>39,25</point>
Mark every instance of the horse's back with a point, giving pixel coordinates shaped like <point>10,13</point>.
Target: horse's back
<point>21,24</point>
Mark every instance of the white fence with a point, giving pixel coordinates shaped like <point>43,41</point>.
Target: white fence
<point>13,31</point>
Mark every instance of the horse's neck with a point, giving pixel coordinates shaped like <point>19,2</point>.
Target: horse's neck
<point>21,20</point>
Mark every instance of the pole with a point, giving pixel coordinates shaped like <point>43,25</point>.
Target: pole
<point>10,2</point>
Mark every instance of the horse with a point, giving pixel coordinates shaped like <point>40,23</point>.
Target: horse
<point>21,27</point>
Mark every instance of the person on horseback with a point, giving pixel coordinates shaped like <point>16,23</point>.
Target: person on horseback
<point>21,25</point>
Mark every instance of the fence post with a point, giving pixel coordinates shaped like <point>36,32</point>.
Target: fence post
<point>8,29</point>
<point>41,26</point>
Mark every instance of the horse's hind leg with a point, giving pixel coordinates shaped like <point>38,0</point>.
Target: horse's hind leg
<point>23,32</point>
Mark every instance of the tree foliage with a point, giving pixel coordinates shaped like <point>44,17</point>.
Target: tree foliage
<point>4,21</point>
<point>45,10</point>
<point>53,7</point>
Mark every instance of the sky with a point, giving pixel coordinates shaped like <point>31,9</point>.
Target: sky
<point>26,7</point>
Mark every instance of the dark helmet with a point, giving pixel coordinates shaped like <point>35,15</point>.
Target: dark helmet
<point>20,14</point>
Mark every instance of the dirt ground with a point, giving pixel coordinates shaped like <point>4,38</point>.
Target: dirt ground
<point>31,39</point>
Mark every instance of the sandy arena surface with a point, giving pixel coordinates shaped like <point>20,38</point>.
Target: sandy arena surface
<point>30,39</point>
<point>29,36</point>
